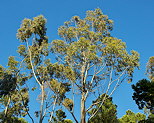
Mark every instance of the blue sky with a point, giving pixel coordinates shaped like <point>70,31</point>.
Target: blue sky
<point>133,23</point>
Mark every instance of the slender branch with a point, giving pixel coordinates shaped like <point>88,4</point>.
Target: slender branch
<point>93,105</point>
<point>86,73</point>
<point>60,59</point>
<point>101,68</point>
<point>109,84</point>
<point>98,107</point>
<point>20,65</point>
<point>42,104</point>
<point>47,106</point>
<point>41,85</point>
<point>6,109</point>
<point>30,56</point>
<point>74,117</point>
<point>73,92</point>
<point>120,75</point>
<point>53,109</point>
<point>92,79</point>
<point>117,85</point>
<point>91,66</point>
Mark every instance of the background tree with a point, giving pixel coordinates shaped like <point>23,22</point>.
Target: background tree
<point>14,96</point>
<point>99,61</point>
<point>144,94</point>
<point>131,117</point>
<point>144,89</point>
<point>106,114</point>
<point>60,117</point>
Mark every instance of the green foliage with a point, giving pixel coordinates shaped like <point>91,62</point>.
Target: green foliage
<point>68,103</point>
<point>7,84</point>
<point>87,47</point>
<point>36,62</point>
<point>13,100</point>
<point>150,119</point>
<point>60,117</point>
<point>35,26</point>
<point>87,56</point>
<point>144,89</point>
<point>150,68</point>
<point>88,42</point>
<point>106,114</point>
<point>59,89</point>
<point>144,94</point>
<point>11,119</point>
<point>131,117</point>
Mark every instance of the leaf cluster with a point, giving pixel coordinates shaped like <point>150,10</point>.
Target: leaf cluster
<point>106,114</point>
<point>144,94</point>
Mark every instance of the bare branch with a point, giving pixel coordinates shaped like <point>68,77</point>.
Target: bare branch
<point>53,109</point>
<point>117,84</point>
<point>101,68</point>
<point>109,84</point>
<point>32,64</point>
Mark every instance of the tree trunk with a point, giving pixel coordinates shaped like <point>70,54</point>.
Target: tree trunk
<point>83,112</point>
<point>42,104</point>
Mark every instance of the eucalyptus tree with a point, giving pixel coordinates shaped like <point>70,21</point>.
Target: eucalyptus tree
<point>99,61</point>
<point>90,62</point>
<point>37,66</point>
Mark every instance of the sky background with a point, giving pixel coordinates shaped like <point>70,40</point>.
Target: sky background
<point>133,23</point>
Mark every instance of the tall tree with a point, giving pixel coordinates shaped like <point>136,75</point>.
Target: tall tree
<point>34,52</point>
<point>100,62</point>
<point>90,62</point>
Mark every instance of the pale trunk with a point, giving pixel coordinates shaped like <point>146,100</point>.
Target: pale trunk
<point>6,109</point>
<point>42,104</point>
<point>83,112</point>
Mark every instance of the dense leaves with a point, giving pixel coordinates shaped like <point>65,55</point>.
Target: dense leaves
<point>131,117</point>
<point>144,89</point>
<point>14,96</point>
<point>106,114</point>
<point>144,94</point>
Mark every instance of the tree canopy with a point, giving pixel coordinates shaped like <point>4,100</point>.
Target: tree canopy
<point>86,62</point>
